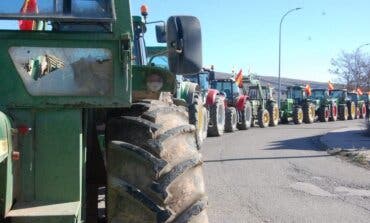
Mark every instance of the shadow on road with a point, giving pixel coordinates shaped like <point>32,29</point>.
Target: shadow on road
<point>305,143</point>
<point>265,158</point>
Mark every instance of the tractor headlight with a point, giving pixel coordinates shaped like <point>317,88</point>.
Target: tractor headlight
<point>154,82</point>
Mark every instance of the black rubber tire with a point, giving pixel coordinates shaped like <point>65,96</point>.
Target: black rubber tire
<point>274,114</point>
<point>263,118</point>
<point>154,168</point>
<point>324,114</point>
<point>216,125</point>
<point>199,118</point>
<point>245,117</point>
<point>351,110</point>
<point>297,115</point>
<point>231,119</point>
<point>333,112</point>
<point>343,112</point>
<point>309,113</point>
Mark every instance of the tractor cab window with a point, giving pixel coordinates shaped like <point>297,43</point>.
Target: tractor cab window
<point>337,94</point>
<point>253,93</point>
<point>353,97</point>
<point>56,15</point>
<point>318,94</point>
<point>203,81</point>
<point>159,61</point>
<point>266,93</point>
<point>229,88</point>
<point>295,94</point>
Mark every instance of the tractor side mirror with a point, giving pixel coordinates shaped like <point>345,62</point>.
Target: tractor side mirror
<point>184,42</point>
<point>160,31</point>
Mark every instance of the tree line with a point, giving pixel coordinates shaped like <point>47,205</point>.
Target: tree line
<point>352,70</point>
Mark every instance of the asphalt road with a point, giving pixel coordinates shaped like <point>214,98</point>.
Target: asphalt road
<point>282,174</point>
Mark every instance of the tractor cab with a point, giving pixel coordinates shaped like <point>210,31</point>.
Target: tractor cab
<point>354,97</point>
<point>227,87</point>
<point>319,94</point>
<point>296,93</point>
<point>340,95</point>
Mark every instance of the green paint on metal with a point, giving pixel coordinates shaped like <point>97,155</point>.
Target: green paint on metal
<point>6,170</point>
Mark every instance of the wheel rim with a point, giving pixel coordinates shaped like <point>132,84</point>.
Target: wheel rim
<point>276,114</point>
<point>353,110</point>
<point>335,111</point>
<point>266,118</point>
<point>300,116</point>
<point>311,112</point>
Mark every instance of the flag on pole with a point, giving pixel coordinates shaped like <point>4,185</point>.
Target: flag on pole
<point>29,7</point>
<point>308,90</point>
<point>330,86</point>
<point>359,91</point>
<point>239,78</point>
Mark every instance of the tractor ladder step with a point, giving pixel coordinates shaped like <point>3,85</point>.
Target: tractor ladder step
<point>41,212</point>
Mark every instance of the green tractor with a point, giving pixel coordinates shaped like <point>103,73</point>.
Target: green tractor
<point>265,111</point>
<point>360,104</point>
<point>87,133</point>
<point>213,101</point>
<point>297,106</point>
<point>326,106</point>
<point>346,107</point>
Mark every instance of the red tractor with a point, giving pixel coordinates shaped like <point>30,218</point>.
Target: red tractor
<point>238,108</point>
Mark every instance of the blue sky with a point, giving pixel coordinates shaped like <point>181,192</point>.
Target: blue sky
<point>244,34</point>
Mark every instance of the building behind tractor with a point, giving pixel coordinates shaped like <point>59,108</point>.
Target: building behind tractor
<point>238,108</point>
<point>265,111</point>
<point>298,106</point>
<point>79,117</point>
<point>346,107</point>
<point>326,106</point>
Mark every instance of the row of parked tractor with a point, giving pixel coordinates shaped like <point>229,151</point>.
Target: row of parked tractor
<point>225,104</point>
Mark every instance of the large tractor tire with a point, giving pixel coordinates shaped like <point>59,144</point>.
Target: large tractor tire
<point>343,112</point>
<point>324,114</point>
<point>154,167</point>
<point>263,118</point>
<point>216,125</point>
<point>334,112</point>
<point>199,118</point>
<point>231,119</point>
<point>297,115</point>
<point>245,117</point>
<point>274,114</point>
<point>309,113</point>
<point>363,111</point>
<point>352,110</point>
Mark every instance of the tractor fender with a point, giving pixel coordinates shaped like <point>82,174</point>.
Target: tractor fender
<point>211,96</point>
<point>240,102</point>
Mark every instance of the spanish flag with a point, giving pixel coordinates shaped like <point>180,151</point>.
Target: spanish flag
<point>29,7</point>
<point>359,91</point>
<point>307,89</point>
<point>239,78</point>
<point>330,86</point>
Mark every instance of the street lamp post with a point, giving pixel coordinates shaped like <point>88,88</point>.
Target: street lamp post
<point>356,60</point>
<point>279,80</point>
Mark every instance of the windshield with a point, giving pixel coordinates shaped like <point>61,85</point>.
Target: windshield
<point>295,93</point>
<point>49,11</point>
<point>353,96</point>
<point>336,93</point>
<point>228,87</point>
<point>318,94</point>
